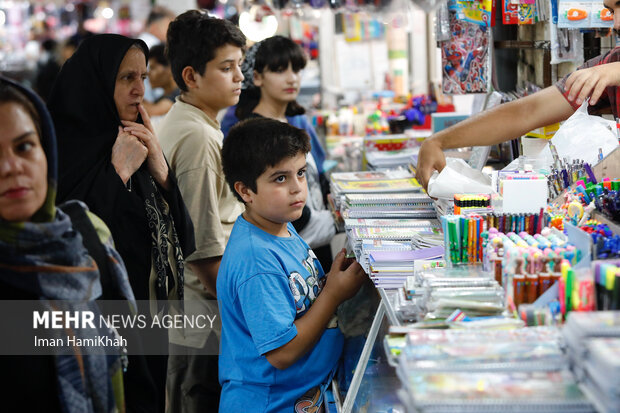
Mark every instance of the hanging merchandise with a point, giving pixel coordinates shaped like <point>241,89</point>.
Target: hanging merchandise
<point>428,5</point>
<point>566,45</point>
<point>352,27</point>
<point>398,57</point>
<point>442,23</point>
<point>465,58</point>
<point>527,12</point>
<point>510,11</point>
<point>481,12</point>
<point>584,14</point>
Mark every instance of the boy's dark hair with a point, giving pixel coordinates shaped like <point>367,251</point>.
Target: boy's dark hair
<point>192,40</point>
<point>253,145</point>
<point>158,52</point>
<point>274,53</point>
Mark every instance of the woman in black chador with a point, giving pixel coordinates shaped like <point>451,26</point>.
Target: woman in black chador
<point>110,158</point>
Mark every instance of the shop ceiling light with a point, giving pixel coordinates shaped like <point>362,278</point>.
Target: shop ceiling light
<point>258,23</point>
<point>107,13</point>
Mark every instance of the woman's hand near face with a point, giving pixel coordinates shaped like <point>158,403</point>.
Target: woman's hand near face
<point>155,158</point>
<point>128,153</point>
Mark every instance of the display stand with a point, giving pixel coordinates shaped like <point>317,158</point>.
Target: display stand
<point>374,383</point>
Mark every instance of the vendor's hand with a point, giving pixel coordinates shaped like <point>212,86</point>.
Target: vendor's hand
<point>128,153</point>
<point>155,160</point>
<point>430,157</point>
<point>591,82</point>
<point>344,279</point>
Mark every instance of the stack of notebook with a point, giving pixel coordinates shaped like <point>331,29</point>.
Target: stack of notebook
<point>372,182</point>
<point>388,248</point>
<point>403,205</point>
<point>390,269</point>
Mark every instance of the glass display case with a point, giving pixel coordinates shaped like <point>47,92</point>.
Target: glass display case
<point>374,386</point>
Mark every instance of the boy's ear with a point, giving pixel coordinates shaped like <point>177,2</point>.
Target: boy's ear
<point>189,76</point>
<point>244,192</point>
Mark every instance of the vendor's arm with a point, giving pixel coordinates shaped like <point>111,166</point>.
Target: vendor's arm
<point>341,285</point>
<point>499,124</point>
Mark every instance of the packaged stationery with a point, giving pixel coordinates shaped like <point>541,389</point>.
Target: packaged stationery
<point>547,392</point>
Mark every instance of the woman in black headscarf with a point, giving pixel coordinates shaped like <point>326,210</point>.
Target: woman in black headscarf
<point>110,158</point>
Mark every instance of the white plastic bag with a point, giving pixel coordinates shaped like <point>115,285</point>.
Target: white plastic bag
<point>581,136</point>
<point>458,178</point>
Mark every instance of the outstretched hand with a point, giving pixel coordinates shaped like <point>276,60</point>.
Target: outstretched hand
<point>430,158</point>
<point>344,278</point>
<point>591,82</point>
<point>146,134</point>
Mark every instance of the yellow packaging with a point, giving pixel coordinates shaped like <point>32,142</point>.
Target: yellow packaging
<point>546,132</point>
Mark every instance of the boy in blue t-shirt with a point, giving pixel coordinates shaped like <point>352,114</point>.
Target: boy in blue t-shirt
<point>280,343</point>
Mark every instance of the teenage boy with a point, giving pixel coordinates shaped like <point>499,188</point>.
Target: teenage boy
<point>280,343</point>
<point>205,56</point>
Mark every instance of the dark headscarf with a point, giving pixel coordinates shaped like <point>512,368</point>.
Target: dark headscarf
<point>145,220</point>
<point>45,258</point>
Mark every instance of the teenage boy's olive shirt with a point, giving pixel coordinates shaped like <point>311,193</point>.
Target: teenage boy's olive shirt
<point>192,143</point>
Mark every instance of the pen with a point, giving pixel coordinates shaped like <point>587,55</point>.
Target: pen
<point>463,251</point>
<point>589,172</point>
<point>452,236</point>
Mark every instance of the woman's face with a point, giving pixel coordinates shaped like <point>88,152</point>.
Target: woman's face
<point>23,165</point>
<point>281,86</point>
<point>129,87</point>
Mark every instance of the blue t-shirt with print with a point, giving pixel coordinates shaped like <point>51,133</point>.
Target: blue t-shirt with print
<point>264,284</point>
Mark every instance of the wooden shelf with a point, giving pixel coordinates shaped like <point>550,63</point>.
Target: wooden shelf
<point>609,167</point>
